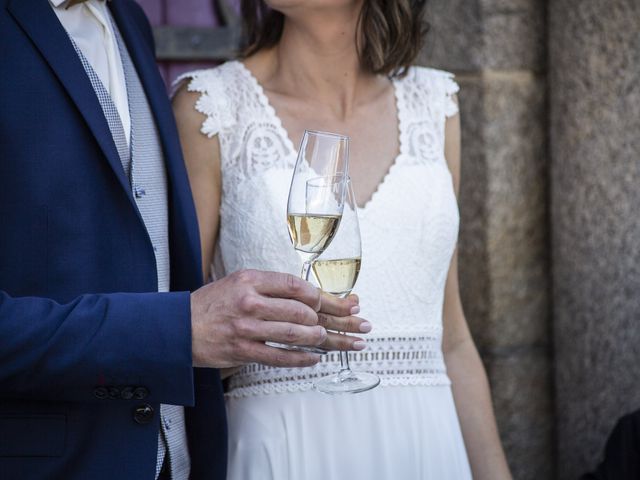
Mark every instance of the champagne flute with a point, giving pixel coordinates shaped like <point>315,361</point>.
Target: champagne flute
<point>316,200</point>
<point>337,271</point>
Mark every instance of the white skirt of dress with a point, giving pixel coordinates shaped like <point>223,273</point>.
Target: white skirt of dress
<point>391,432</point>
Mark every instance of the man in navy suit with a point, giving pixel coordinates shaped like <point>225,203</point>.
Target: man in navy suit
<point>99,251</point>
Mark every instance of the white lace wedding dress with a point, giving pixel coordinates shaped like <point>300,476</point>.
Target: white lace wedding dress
<point>279,427</point>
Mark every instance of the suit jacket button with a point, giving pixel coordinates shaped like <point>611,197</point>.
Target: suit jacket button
<point>140,393</point>
<point>100,393</point>
<point>126,393</point>
<point>143,414</point>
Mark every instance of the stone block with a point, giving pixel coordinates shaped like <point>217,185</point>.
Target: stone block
<point>514,40</point>
<point>503,240</point>
<point>595,120</point>
<point>454,41</point>
<point>510,6</point>
<point>468,36</point>
<point>504,256</point>
<point>517,232</point>
<point>521,388</point>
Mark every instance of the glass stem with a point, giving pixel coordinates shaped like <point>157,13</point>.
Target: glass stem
<point>344,362</point>
<point>345,374</point>
<point>345,370</point>
<point>306,270</point>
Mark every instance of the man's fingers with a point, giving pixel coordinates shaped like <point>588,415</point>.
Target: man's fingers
<point>290,333</point>
<point>339,307</point>
<point>284,285</point>
<point>277,357</point>
<point>338,341</point>
<point>285,310</point>
<point>344,324</point>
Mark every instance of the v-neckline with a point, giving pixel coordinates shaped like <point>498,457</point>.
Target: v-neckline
<point>266,103</point>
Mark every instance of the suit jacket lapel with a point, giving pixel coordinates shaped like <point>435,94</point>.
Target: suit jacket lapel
<point>185,241</point>
<point>40,23</point>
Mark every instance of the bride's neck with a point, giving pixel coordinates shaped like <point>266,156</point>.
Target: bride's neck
<point>317,58</point>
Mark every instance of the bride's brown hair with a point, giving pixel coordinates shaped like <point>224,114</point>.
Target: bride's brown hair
<point>389,37</point>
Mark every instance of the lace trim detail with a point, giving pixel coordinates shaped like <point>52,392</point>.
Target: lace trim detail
<point>397,360</point>
<point>451,88</point>
<point>426,100</point>
<point>213,102</point>
<point>432,90</point>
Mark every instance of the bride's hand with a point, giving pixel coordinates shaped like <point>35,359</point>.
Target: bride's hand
<point>337,315</point>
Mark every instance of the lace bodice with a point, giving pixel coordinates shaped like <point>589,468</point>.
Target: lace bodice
<point>409,227</point>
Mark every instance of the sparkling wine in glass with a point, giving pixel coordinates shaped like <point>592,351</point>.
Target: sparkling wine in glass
<point>316,199</point>
<point>337,271</point>
<point>311,232</point>
<point>317,192</point>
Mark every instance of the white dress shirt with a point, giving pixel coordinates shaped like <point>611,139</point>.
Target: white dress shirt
<point>89,24</point>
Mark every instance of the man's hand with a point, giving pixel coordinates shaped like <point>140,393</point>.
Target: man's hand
<point>233,318</point>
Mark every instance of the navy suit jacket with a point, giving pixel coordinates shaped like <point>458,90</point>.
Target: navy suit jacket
<point>88,348</point>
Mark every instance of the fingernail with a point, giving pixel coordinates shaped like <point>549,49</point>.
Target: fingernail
<point>324,334</point>
<point>359,345</point>
<point>355,310</point>
<point>365,327</point>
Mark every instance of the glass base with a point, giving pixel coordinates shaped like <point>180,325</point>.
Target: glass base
<point>347,381</point>
<point>296,348</point>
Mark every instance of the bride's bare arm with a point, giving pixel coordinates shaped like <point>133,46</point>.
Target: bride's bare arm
<point>464,366</point>
<point>202,159</point>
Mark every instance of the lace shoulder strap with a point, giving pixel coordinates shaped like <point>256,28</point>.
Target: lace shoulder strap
<point>216,100</point>
<point>252,140</point>
<point>425,101</point>
<point>445,88</point>
<point>429,91</point>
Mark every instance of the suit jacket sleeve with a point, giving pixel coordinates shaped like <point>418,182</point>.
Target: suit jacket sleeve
<point>97,347</point>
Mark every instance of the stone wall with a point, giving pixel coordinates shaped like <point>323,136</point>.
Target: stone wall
<point>595,184</point>
<point>551,183</point>
<point>497,50</point>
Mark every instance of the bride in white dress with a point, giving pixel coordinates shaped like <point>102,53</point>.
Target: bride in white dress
<point>341,66</point>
